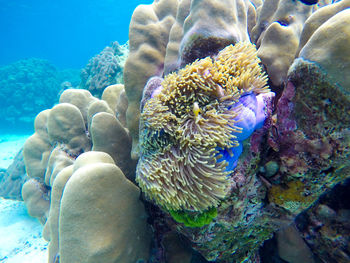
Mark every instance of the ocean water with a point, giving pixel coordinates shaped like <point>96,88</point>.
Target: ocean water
<point>44,43</point>
<point>67,33</point>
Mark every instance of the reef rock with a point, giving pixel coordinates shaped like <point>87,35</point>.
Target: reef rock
<point>325,226</point>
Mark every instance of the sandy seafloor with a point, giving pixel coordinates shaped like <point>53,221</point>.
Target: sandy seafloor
<point>20,235</point>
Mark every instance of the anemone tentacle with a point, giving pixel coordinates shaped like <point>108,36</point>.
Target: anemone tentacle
<point>190,128</point>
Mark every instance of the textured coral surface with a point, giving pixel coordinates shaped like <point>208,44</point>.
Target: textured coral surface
<point>104,69</point>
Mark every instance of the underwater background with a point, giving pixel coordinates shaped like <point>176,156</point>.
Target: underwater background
<point>45,43</point>
<point>175,131</point>
<point>67,33</point>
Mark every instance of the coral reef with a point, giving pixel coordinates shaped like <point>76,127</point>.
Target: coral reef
<point>223,163</point>
<point>187,31</point>
<point>27,87</point>
<point>285,166</point>
<point>104,69</point>
<point>278,28</point>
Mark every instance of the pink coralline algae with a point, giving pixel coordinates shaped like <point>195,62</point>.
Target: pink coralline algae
<point>309,139</point>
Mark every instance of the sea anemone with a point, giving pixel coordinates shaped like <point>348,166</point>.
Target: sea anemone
<point>192,126</point>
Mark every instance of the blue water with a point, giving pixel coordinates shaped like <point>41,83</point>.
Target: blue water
<point>65,32</point>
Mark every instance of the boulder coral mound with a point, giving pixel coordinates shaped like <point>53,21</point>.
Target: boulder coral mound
<point>329,45</point>
<point>149,32</point>
<point>81,124</point>
<point>101,218</point>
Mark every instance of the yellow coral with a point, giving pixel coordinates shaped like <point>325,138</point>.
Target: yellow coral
<point>186,123</point>
<point>291,197</point>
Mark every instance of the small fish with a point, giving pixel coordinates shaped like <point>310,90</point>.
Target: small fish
<point>56,259</point>
<point>196,110</point>
<point>309,2</point>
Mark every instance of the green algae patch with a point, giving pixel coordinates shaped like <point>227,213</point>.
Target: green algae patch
<point>194,219</point>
